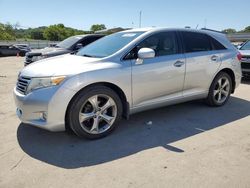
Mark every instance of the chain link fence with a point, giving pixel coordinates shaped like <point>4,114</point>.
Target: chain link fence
<point>33,44</point>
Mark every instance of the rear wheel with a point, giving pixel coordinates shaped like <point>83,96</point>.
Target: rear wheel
<point>95,112</point>
<point>220,90</point>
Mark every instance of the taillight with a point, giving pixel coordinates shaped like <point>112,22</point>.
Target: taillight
<point>239,56</point>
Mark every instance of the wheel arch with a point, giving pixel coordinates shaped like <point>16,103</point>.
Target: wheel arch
<point>117,89</point>
<point>231,74</point>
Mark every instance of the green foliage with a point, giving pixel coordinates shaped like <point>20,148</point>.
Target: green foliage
<point>56,32</point>
<point>97,27</point>
<point>60,32</point>
<point>6,32</point>
<point>247,29</point>
<point>229,30</point>
<point>37,33</point>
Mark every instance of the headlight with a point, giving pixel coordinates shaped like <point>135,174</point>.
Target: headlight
<point>37,58</point>
<point>37,83</point>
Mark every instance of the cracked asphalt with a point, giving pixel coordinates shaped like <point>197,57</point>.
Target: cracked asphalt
<point>186,145</point>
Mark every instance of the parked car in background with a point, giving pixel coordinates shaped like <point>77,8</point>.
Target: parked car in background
<point>245,60</point>
<point>125,73</point>
<point>69,45</point>
<point>12,50</point>
<point>22,46</point>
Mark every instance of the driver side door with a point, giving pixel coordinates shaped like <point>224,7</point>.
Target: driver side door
<point>159,79</point>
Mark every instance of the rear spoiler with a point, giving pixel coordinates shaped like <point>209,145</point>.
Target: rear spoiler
<point>205,29</point>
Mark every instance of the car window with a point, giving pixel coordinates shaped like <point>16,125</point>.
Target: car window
<point>196,42</point>
<point>89,40</point>
<point>67,43</point>
<point>162,43</point>
<point>216,44</point>
<point>246,46</point>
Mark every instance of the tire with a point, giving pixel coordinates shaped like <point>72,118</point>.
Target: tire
<point>22,54</point>
<point>220,90</point>
<point>94,112</point>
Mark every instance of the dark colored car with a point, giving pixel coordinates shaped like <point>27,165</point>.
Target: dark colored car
<point>69,45</point>
<point>23,46</point>
<point>12,50</point>
<point>245,60</point>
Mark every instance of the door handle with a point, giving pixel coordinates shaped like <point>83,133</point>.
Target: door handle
<point>214,58</point>
<point>178,63</point>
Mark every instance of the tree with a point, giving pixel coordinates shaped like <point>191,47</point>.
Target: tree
<point>37,33</point>
<point>97,27</point>
<point>6,32</point>
<point>229,30</point>
<point>55,32</point>
<point>247,29</point>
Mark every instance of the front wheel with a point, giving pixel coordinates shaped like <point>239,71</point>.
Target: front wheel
<point>95,112</point>
<point>220,90</point>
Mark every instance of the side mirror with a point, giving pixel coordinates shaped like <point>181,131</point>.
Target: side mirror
<point>146,53</point>
<point>78,46</point>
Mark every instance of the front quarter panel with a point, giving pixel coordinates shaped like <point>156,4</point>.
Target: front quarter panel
<point>118,74</point>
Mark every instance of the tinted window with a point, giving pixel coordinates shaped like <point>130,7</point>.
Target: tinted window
<point>89,40</point>
<point>162,43</point>
<point>216,44</point>
<point>196,42</point>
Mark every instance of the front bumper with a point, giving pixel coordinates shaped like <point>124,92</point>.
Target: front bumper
<point>245,66</point>
<point>44,108</point>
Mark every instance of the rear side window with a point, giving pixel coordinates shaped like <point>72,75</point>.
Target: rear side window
<point>216,44</point>
<point>196,42</point>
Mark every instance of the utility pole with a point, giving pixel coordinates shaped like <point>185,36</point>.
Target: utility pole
<point>140,19</point>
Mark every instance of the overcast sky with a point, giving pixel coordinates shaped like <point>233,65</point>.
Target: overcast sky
<point>81,14</point>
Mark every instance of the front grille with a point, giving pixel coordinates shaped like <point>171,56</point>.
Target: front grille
<point>245,59</point>
<point>28,59</point>
<point>22,84</point>
<point>245,65</point>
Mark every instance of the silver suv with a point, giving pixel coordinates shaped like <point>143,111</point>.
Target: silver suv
<point>125,73</point>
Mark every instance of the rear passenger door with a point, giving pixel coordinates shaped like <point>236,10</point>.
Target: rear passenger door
<point>202,62</point>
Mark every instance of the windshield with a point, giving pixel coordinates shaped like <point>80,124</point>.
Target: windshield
<point>67,43</point>
<point>246,46</point>
<point>108,45</point>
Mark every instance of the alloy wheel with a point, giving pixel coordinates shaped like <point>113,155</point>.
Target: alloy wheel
<point>97,114</point>
<point>221,90</point>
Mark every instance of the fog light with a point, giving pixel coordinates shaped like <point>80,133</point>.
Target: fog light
<point>19,112</point>
<point>43,116</point>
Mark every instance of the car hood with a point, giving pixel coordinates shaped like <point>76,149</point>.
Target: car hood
<point>64,65</point>
<point>49,51</point>
<point>245,52</point>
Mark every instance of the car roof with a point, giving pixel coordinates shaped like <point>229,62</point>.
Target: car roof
<point>89,35</point>
<point>155,29</point>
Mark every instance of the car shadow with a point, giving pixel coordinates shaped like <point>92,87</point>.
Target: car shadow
<point>168,124</point>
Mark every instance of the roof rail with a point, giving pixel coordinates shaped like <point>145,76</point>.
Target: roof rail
<point>212,30</point>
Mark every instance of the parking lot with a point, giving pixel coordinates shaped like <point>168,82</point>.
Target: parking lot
<point>186,145</point>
